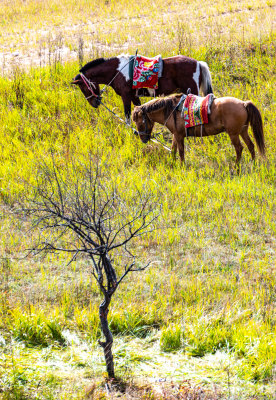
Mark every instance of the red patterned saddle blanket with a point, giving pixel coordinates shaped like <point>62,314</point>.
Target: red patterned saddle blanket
<point>195,109</point>
<point>146,72</point>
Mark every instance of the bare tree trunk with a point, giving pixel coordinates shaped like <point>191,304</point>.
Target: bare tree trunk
<point>107,345</point>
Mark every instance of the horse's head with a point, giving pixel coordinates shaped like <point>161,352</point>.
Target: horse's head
<point>143,123</point>
<point>90,89</point>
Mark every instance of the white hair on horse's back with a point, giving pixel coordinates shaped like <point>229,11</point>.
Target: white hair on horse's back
<point>206,82</point>
<point>123,66</point>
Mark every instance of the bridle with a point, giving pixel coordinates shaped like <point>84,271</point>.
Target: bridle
<point>91,86</point>
<point>146,118</point>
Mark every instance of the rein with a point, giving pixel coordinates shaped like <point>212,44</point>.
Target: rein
<point>120,119</point>
<point>153,139</point>
<point>129,61</point>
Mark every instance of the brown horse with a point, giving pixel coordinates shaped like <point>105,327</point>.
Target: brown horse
<point>228,114</point>
<point>179,74</point>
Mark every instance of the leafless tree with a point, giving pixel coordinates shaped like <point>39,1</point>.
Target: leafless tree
<point>80,212</point>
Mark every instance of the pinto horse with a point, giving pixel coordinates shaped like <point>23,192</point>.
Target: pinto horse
<point>179,74</point>
<point>228,114</point>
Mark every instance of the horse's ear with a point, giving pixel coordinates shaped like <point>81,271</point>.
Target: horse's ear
<point>76,80</point>
<point>136,113</point>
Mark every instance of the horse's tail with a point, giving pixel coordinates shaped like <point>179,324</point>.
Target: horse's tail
<point>206,81</point>
<point>255,120</point>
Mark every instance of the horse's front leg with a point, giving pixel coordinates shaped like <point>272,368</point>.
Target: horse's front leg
<point>174,148</point>
<point>180,145</point>
<point>135,100</point>
<point>181,152</point>
<point>127,105</point>
<point>127,108</point>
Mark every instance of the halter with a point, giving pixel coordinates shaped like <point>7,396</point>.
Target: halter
<point>146,131</point>
<point>90,85</point>
<point>145,117</point>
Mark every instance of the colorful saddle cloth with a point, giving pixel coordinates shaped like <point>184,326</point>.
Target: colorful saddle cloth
<point>146,72</point>
<point>195,109</point>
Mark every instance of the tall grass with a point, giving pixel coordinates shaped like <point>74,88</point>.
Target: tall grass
<point>210,288</point>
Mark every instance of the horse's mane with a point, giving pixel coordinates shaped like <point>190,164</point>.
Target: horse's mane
<point>168,103</point>
<point>92,64</point>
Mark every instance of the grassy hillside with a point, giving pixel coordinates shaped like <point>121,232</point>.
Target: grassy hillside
<point>203,315</point>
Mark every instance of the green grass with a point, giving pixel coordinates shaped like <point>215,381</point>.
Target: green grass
<point>36,329</point>
<point>170,339</point>
<point>205,309</point>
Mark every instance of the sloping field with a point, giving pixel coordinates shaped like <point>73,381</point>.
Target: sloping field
<point>199,323</point>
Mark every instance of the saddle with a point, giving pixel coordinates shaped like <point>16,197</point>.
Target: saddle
<point>145,71</point>
<point>195,109</point>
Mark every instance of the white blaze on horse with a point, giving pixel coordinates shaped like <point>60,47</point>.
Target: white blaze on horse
<point>227,114</point>
<point>178,74</point>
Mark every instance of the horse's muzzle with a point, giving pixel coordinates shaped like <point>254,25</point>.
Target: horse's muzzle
<point>144,138</point>
<point>96,101</point>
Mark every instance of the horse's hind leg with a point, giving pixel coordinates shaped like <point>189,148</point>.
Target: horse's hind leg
<point>238,146</point>
<point>248,141</point>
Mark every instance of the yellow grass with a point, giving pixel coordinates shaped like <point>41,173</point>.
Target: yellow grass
<point>205,311</point>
